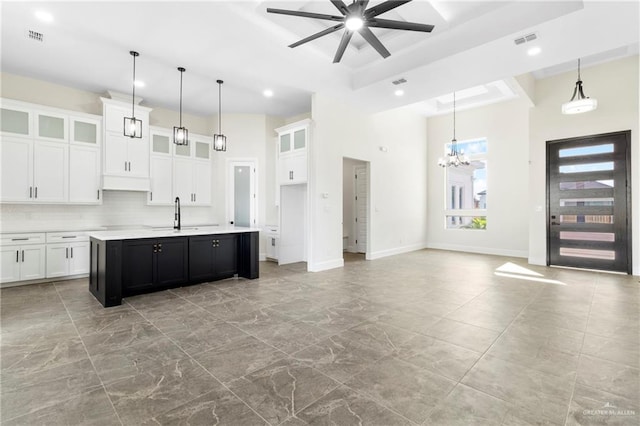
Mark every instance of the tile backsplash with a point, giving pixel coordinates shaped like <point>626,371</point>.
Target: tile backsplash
<point>119,208</point>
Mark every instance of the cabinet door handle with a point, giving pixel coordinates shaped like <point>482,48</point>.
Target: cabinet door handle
<point>155,248</point>
<point>195,197</point>
<point>70,236</point>
<point>17,256</point>
<point>151,196</point>
<point>22,256</point>
<point>129,165</point>
<point>31,192</point>
<point>72,252</point>
<point>98,191</point>
<point>125,166</point>
<point>20,239</point>
<point>66,251</point>
<point>36,192</point>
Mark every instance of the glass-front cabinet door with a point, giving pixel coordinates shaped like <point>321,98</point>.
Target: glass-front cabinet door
<point>84,130</point>
<point>15,121</point>
<point>51,126</point>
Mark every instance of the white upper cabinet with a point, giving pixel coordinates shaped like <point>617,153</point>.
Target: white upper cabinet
<point>16,169</point>
<point>51,126</point>
<point>161,171</point>
<point>126,161</point>
<point>50,172</point>
<point>49,155</point>
<point>84,175</point>
<point>293,140</point>
<point>15,120</point>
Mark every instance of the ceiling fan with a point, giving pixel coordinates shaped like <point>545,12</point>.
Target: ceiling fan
<point>356,17</point>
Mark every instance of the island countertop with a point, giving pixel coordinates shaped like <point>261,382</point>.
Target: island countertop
<point>186,231</point>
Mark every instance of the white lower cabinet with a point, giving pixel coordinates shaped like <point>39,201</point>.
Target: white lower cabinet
<point>66,259</point>
<point>23,262</point>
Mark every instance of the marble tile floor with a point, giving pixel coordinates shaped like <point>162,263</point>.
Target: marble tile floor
<point>425,338</point>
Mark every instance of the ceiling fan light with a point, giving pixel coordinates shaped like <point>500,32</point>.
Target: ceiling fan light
<point>354,23</point>
<point>579,106</point>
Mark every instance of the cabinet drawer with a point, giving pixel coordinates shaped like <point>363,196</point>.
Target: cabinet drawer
<point>21,239</point>
<point>66,237</point>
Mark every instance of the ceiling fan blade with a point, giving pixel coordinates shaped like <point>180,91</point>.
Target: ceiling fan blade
<point>305,14</point>
<point>346,37</point>
<point>384,7</point>
<point>399,25</point>
<point>339,4</point>
<point>363,5</point>
<point>374,42</point>
<point>318,35</point>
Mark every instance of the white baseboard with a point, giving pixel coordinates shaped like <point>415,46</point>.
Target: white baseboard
<point>395,250</point>
<point>262,257</point>
<point>323,266</point>
<point>481,250</point>
<point>537,261</point>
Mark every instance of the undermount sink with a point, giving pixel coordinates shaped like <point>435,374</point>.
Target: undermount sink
<point>183,228</point>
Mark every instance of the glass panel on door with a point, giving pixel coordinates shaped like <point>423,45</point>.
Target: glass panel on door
<point>13,121</point>
<point>85,132</point>
<point>160,144</point>
<point>285,142</point>
<point>202,150</point>
<point>299,139</point>
<point>242,195</point>
<point>50,127</point>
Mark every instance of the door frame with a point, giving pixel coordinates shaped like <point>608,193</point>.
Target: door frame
<point>627,136</point>
<point>367,165</point>
<point>355,206</point>
<point>230,163</point>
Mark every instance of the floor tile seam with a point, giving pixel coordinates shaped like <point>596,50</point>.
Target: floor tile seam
<point>205,369</point>
<point>484,354</point>
<point>377,401</point>
<point>53,404</point>
<point>575,379</point>
<point>510,405</point>
<point>625,397</point>
<point>104,388</point>
<point>620,364</point>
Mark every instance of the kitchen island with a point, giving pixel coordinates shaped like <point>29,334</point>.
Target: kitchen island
<point>129,262</point>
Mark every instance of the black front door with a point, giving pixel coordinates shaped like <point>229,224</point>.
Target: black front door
<point>589,202</point>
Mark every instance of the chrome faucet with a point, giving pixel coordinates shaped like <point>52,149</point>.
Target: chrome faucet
<point>176,214</point>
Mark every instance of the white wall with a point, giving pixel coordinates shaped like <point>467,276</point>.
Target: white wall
<point>397,178</point>
<point>506,127</point>
<point>615,86</point>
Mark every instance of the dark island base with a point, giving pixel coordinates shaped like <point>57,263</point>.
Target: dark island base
<point>121,268</point>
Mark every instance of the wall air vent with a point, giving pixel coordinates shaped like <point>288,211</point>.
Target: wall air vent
<point>35,35</point>
<point>525,39</point>
<point>401,80</point>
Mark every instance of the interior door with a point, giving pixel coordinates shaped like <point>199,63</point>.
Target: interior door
<point>242,195</point>
<point>589,201</point>
<point>361,208</point>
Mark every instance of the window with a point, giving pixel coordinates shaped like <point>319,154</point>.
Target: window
<point>466,201</point>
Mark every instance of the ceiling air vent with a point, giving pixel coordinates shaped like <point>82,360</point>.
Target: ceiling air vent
<point>399,81</point>
<point>525,39</point>
<point>35,35</point>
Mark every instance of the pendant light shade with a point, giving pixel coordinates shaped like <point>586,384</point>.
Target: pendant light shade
<point>219,140</point>
<point>579,102</point>
<point>133,126</point>
<point>454,157</point>
<point>180,134</point>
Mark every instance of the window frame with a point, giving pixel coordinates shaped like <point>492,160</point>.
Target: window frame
<point>457,214</point>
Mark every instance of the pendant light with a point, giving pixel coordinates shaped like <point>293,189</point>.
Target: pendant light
<point>219,140</point>
<point>180,134</point>
<point>133,126</point>
<point>582,103</point>
<point>454,157</point>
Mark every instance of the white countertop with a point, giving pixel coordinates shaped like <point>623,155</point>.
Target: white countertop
<point>29,229</point>
<point>131,234</point>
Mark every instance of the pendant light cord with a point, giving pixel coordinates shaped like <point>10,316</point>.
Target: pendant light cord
<point>220,106</point>
<point>133,99</point>
<point>578,69</point>
<point>454,115</point>
<point>181,72</point>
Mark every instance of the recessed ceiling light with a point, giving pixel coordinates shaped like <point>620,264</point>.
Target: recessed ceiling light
<point>267,93</point>
<point>399,92</point>
<point>534,51</point>
<point>139,83</point>
<point>44,16</point>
